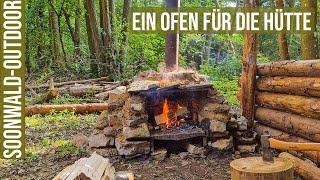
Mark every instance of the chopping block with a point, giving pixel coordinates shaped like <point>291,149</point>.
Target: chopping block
<point>255,168</point>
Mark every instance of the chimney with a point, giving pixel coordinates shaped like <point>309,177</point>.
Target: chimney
<point>172,42</point>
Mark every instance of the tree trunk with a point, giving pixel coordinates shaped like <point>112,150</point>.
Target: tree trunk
<point>305,106</point>
<point>282,39</point>
<point>248,76</point>
<point>305,127</point>
<point>55,38</point>
<point>309,41</point>
<point>302,168</point>
<point>77,32</point>
<point>207,48</point>
<point>112,12</point>
<point>94,37</point>
<point>125,17</point>
<point>41,43</point>
<point>305,86</point>
<point>106,36</point>
<point>283,136</point>
<point>309,68</point>
<point>77,108</point>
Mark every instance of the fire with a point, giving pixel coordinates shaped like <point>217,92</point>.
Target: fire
<point>165,112</point>
<point>165,115</point>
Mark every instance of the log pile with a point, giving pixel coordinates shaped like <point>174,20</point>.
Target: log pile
<point>288,102</point>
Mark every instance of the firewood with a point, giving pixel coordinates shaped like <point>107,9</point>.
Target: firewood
<point>302,168</point>
<point>310,68</point>
<point>159,118</point>
<point>77,108</point>
<point>283,136</point>
<point>95,167</point>
<point>306,106</point>
<point>302,126</point>
<point>305,86</point>
<point>193,149</point>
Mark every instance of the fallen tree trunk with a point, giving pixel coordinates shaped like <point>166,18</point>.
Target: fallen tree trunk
<point>82,90</point>
<point>302,126</point>
<point>310,68</point>
<point>77,108</point>
<point>306,106</point>
<point>305,86</point>
<point>283,136</point>
<point>302,168</point>
<point>72,82</point>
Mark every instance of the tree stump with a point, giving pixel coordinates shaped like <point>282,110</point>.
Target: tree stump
<point>253,168</point>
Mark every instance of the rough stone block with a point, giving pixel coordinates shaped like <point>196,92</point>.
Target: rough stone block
<point>80,140</point>
<point>145,85</point>
<point>100,140</point>
<point>130,148</point>
<point>217,126</point>
<point>222,144</point>
<point>140,131</point>
<point>118,95</point>
<point>159,154</point>
<point>109,131</point>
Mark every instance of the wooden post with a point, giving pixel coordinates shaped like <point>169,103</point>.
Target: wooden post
<point>248,76</point>
<point>172,42</point>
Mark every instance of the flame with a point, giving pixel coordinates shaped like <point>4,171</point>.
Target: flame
<point>166,119</point>
<point>165,111</point>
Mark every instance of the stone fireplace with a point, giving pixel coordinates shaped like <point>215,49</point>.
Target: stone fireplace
<point>164,106</point>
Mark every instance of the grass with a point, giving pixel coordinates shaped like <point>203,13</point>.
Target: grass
<point>48,144</point>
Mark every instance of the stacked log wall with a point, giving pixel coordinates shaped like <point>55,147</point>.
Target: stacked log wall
<point>288,101</point>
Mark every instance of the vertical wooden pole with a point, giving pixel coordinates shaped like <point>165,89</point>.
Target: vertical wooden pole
<point>172,42</point>
<point>248,76</point>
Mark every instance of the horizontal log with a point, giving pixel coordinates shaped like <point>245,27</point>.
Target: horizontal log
<point>72,82</point>
<point>310,68</point>
<point>77,108</point>
<point>302,168</point>
<point>283,136</point>
<point>306,106</point>
<point>305,86</point>
<point>302,126</point>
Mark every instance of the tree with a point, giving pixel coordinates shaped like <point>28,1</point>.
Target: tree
<point>125,18</point>
<point>55,36</point>
<point>94,37</point>
<point>282,39</point>
<point>105,24</point>
<point>309,42</point>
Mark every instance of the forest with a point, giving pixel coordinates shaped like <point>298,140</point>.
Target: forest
<point>99,96</point>
<point>87,39</point>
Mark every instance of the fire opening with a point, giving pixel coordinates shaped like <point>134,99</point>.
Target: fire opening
<point>174,116</point>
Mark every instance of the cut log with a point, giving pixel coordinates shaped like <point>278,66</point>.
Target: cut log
<point>305,86</point>
<point>302,126</point>
<point>306,106</point>
<point>302,168</point>
<point>283,136</point>
<point>47,97</point>
<point>310,68</point>
<point>77,108</point>
<point>252,168</point>
<point>95,167</point>
<point>73,82</point>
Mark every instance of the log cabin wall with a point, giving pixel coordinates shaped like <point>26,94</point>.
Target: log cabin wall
<point>287,99</point>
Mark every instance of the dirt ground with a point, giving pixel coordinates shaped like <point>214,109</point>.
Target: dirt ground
<point>49,151</point>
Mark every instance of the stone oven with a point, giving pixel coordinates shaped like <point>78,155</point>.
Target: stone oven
<point>164,106</point>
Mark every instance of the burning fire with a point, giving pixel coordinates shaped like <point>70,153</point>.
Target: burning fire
<point>174,121</point>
